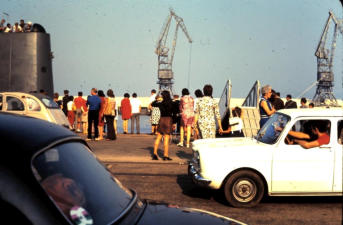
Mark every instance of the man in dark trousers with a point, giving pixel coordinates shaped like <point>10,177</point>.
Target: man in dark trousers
<point>66,98</point>
<point>93,102</point>
<point>290,104</point>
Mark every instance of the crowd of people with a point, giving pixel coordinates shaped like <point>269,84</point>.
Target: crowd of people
<point>190,117</point>
<point>18,27</point>
<point>317,130</point>
<point>90,116</point>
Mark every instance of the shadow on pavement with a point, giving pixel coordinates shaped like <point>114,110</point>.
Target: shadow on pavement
<point>191,190</point>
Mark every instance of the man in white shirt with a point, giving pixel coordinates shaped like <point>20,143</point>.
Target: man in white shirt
<point>136,110</point>
<point>151,99</point>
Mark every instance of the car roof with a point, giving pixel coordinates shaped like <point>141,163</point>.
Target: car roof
<point>19,94</point>
<point>21,136</point>
<point>313,112</point>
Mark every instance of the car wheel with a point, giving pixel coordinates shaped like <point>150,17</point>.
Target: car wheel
<point>244,189</point>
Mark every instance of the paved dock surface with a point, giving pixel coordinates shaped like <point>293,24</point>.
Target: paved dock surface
<point>129,159</point>
<point>138,148</point>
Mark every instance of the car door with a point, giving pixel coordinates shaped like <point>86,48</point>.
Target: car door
<point>338,171</point>
<point>299,170</point>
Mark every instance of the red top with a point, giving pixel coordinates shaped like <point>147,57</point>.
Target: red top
<point>125,109</point>
<point>80,102</point>
<point>323,139</point>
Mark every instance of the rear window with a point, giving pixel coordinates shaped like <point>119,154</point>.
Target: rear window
<point>77,182</point>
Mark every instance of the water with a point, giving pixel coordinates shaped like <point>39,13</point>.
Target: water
<point>145,125</point>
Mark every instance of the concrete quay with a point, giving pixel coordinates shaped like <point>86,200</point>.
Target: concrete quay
<point>137,148</point>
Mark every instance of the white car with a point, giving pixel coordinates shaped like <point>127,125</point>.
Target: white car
<point>248,168</point>
<point>33,105</point>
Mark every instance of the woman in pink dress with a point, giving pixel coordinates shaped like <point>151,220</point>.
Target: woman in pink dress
<point>187,116</point>
<point>125,108</point>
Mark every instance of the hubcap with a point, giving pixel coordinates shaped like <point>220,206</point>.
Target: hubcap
<point>244,190</point>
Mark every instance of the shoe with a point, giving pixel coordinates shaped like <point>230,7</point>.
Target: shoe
<point>154,157</point>
<point>78,131</point>
<point>98,139</point>
<point>88,139</point>
<point>180,144</point>
<point>166,158</point>
<point>187,145</point>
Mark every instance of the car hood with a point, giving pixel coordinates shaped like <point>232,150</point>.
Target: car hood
<point>225,143</point>
<point>167,214</point>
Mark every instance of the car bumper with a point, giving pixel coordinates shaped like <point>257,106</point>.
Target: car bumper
<point>196,177</point>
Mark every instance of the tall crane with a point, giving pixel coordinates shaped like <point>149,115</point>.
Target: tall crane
<point>325,77</point>
<point>165,58</point>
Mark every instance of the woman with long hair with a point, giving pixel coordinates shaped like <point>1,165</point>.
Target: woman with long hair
<point>109,113</point>
<point>165,126</point>
<point>101,115</point>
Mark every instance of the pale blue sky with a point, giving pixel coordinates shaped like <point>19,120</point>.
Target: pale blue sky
<point>111,43</point>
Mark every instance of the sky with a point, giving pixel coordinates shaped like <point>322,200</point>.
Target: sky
<point>111,43</point>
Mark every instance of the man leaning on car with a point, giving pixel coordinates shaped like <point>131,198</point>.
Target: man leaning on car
<point>318,128</point>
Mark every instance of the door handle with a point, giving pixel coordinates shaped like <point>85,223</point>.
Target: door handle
<point>325,147</point>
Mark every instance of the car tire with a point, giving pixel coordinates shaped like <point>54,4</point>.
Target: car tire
<point>244,189</point>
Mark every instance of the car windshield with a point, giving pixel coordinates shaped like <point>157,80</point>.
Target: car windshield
<point>77,183</point>
<point>272,129</point>
<point>47,101</point>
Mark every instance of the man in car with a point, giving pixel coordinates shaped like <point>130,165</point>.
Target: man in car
<point>319,128</point>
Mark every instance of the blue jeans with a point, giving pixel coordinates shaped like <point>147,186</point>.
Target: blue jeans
<point>135,117</point>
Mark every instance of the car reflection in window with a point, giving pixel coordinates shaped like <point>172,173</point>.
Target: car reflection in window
<point>272,129</point>
<point>74,179</point>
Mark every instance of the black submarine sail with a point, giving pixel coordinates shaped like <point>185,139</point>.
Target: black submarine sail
<point>26,61</point>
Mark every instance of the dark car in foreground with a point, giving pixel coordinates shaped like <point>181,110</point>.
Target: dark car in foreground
<point>49,175</point>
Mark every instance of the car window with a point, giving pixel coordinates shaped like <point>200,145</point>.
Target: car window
<point>32,104</point>
<point>76,181</point>
<point>14,104</point>
<point>340,132</point>
<point>47,101</point>
<point>272,129</point>
<point>303,129</point>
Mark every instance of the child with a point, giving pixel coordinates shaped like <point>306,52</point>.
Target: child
<point>235,124</point>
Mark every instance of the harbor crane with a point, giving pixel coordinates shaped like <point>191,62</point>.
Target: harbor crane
<point>165,58</point>
<point>325,77</point>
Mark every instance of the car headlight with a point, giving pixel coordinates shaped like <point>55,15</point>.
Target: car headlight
<point>196,161</point>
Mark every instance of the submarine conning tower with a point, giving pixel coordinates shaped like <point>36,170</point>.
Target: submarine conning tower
<point>26,61</point>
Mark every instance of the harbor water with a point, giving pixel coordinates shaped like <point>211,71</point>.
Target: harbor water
<point>145,125</point>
